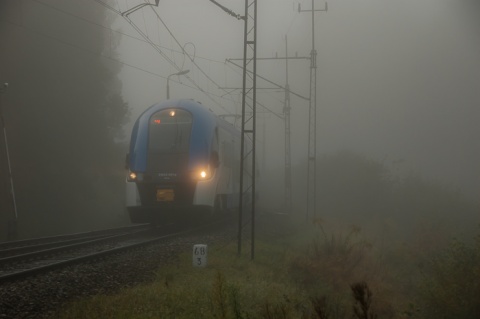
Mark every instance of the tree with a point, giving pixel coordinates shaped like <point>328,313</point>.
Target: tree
<point>64,112</point>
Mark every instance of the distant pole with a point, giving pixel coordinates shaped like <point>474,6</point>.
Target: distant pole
<point>312,124</point>
<point>286,111</point>
<point>288,157</point>
<point>12,224</point>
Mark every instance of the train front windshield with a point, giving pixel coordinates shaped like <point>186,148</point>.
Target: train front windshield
<point>169,141</point>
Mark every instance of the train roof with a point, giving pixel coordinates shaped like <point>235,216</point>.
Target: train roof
<point>204,124</point>
<point>197,109</point>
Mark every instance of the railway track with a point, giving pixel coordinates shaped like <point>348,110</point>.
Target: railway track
<point>10,247</point>
<point>24,264</point>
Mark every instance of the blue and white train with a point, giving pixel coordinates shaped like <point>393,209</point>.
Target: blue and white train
<point>182,159</point>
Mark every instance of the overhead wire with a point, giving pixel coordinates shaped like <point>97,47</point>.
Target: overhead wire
<point>271,82</point>
<point>145,39</point>
<point>293,19</point>
<point>208,94</point>
<point>83,49</point>
<point>196,86</point>
<point>116,31</point>
<point>145,23</point>
<point>148,40</point>
<point>108,6</point>
<point>191,59</point>
<point>118,5</point>
<point>183,51</point>
<point>95,53</point>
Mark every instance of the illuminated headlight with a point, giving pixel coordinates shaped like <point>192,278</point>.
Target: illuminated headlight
<point>132,177</point>
<point>202,174</point>
<point>172,113</point>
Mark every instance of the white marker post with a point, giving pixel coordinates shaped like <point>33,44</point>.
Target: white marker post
<point>199,255</point>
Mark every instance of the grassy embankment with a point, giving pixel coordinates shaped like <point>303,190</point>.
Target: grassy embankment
<point>400,260</point>
<point>304,272</point>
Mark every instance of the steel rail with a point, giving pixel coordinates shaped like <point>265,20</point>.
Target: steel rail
<point>65,248</point>
<point>4,253</point>
<point>32,241</point>
<point>87,257</point>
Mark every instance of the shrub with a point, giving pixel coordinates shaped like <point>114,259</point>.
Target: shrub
<point>451,284</point>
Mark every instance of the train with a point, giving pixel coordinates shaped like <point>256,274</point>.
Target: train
<point>182,160</point>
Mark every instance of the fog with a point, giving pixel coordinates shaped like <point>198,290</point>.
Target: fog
<point>397,81</point>
<point>398,105</point>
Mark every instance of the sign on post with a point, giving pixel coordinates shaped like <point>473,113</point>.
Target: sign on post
<point>199,255</point>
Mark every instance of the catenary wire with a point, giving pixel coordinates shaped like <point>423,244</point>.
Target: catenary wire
<point>185,53</point>
<point>157,47</point>
<point>108,57</point>
<point>208,94</point>
<point>100,55</point>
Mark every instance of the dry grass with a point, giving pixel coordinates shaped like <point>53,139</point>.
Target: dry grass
<point>309,273</point>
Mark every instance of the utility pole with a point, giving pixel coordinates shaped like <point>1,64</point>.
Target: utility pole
<point>288,156</point>
<point>312,124</point>
<point>249,118</point>
<point>286,112</point>
<point>12,222</point>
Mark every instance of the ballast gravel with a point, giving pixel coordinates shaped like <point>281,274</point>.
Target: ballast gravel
<point>40,296</point>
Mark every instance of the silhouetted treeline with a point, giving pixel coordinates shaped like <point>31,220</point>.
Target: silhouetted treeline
<point>63,111</point>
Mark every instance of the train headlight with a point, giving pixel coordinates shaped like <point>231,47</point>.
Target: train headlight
<point>132,177</point>
<point>202,174</point>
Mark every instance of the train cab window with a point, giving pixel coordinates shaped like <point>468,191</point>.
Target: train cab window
<point>169,131</point>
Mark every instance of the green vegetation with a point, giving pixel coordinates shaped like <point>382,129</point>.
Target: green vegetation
<point>65,115</point>
<point>306,274</point>
<point>380,247</point>
<point>451,285</point>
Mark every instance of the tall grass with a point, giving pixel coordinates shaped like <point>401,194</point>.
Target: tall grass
<point>229,287</point>
<point>451,282</point>
<point>323,275</point>
<point>395,263</point>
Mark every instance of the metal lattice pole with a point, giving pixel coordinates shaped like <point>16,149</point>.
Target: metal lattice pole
<point>247,162</point>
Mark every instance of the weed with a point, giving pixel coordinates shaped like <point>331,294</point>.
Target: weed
<point>279,311</point>
<point>320,307</point>
<point>235,303</point>
<point>327,307</point>
<point>312,283</point>
<point>334,260</point>
<point>363,301</point>
<point>219,296</point>
<point>451,283</point>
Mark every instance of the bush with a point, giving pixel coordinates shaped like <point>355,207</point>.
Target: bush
<point>451,285</point>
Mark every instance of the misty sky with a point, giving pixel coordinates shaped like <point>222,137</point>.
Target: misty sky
<point>398,81</point>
